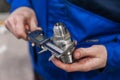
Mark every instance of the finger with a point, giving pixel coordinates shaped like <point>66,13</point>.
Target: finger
<point>10,25</point>
<point>89,64</point>
<point>67,67</point>
<point>33,25</point>
<point>20,28</point>
<point>83,66</point>
<point>79,53</point>
<point>7,25</point>
<point>83,52</point>
<point>61,65</point>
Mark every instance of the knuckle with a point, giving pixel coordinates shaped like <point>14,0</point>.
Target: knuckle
<point>6,22</point>
<point>81,50</point>
<point>19,17</point>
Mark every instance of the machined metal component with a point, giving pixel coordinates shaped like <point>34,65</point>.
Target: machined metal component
<point>62,39</point>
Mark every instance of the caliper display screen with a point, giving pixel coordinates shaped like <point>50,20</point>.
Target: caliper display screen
<point>39,38</point>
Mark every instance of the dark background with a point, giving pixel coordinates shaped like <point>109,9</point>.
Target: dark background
<point>4,6</point>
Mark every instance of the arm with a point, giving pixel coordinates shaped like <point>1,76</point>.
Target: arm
<point>95,57</point>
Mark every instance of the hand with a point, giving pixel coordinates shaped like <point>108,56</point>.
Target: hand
<point>20,21</point>
<point>88,59</point>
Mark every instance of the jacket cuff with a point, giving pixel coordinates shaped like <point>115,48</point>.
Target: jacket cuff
<point>113,57</point>
<point>18,3</point>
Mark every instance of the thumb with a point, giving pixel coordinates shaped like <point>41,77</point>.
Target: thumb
<point>83,52</point>
<point>33,25</point>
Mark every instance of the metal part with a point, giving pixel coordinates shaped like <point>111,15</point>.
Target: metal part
<point>62,39</point>
<point>60,45</point>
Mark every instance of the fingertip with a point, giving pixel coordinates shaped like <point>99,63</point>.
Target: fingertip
<point>39,28</point>
<point>33,25</point>
<point>53,60</point>
<point>76,55</point>
<point>33,28</point>
<point>57,62</point>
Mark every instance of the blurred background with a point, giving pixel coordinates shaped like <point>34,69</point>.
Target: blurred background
<point>14,56</point>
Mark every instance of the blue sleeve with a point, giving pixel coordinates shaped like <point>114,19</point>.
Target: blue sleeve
<point>113,59</point>
<point>18,3</point>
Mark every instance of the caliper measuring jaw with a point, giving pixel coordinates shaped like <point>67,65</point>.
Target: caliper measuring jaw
<point>60,45</point>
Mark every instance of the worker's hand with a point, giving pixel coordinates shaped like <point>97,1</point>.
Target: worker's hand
<point>88,59</point>
<point>20,21</point>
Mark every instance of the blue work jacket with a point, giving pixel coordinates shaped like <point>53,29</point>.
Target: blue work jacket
<point>86,27</point>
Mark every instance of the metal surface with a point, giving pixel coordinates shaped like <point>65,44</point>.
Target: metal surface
<point>62,39</point>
